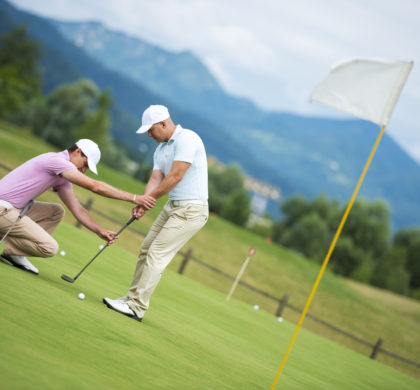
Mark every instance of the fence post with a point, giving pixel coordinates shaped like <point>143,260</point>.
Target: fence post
<point>185,261</point>
<point>376,348</point>
<point>87,206</point>
<point>282,305</point>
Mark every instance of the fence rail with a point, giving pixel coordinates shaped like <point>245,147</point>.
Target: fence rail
<point>282,302</point>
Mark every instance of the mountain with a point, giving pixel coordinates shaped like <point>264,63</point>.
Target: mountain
<point>299,154</point>
<point>315,155</point>
<point>63,58</point>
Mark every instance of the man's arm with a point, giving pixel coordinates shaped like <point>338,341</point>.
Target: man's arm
<point>104,189</point>
<point>159,184</point>
<point>82,215</point>
<point>155,179</point>
<point>177,172</point>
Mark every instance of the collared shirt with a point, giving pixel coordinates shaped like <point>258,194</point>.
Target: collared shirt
<point>184,145</point>
<point>35,176</point>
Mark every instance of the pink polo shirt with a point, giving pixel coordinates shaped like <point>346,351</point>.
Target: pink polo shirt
<point>34,177</point>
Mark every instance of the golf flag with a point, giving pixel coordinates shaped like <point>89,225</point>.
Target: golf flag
<point>369,89</point>
<point>366,88</point>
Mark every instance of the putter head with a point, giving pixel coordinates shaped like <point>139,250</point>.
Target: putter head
<point>67,278</point>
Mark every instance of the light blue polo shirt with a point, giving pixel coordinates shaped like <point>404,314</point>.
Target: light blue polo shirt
<point>184,145</point>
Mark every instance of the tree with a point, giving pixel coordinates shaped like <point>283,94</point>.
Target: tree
<point>20,79</point>
<point>237,207</point>
<point>309,236</point>
<point>390,272</point>
<point>98,121</point>
<point>347,258</point>
<point>227,195</point>
<point>73,111</point>
<point>294,209</point>
<point>369,227</point>
<point>409,238</point>
<point>309,226</point>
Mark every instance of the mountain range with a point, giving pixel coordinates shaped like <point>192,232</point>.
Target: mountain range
<point>299,154</point>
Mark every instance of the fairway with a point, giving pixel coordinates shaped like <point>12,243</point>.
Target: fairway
<point>191,338</point>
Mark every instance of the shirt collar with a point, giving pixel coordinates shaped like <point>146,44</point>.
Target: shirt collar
<point>175,134</point>
<point>66,154</point>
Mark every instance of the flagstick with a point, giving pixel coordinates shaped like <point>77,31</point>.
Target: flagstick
<point>235,283</point>
<point>327,257</point>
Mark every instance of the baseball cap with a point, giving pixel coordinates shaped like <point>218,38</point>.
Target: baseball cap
<point>151,115</point>
<point>91,151</point>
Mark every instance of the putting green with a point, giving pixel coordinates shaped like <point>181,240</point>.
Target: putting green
<point>191,338</point>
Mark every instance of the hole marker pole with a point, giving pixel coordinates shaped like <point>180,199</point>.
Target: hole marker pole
<point>327,258</point>
<point>251,253</point>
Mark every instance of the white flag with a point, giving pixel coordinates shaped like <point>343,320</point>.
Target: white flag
<point>366,88</point>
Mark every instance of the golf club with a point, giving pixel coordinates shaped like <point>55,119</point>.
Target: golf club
<point>21,214</point>
<point>72,280</point>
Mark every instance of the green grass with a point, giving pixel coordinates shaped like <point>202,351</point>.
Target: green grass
<point>191,338</point>
<point>362,310</point>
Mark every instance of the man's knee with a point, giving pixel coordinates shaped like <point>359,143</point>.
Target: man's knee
<point>59,211</point>
<point>48,248</point>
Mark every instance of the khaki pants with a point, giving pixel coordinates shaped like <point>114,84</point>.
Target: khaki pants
<point>31,235</point>
<point>172,229</point>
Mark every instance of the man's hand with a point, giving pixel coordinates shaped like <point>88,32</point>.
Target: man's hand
<point>138,212</point>
<point>108,235</point>
<point>146,201</point>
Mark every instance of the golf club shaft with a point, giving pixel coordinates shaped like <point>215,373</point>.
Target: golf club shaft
<point>128,223</point>
<point>21,214</point>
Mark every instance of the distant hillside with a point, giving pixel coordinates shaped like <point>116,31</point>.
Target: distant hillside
<point>296,153</point>
<point>313,155</point>
<point>130,97</point>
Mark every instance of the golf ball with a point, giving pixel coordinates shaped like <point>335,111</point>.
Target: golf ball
<point>256,307</point>
<point>280,319</point>
<point>81,296</point>
<point>62,253</point>
<point>101,247</point>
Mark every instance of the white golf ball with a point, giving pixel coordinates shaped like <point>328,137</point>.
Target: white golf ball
<point>81,296</point>
<point>280,319</point>
<point>101,247</point>
<point>62,253</point>
<point>256,307</point>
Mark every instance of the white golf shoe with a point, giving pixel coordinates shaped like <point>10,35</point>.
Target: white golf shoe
<point>121,307</point>
<point>20,262</point>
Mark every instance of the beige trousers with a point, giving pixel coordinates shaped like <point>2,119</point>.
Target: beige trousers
<point>172,229</point>
<point>31,235</point>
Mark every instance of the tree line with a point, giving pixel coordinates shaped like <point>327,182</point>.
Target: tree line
<point>366,250</point>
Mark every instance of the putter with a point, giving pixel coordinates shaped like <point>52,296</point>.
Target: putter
<point>72,280</point>
<point>21,214</point>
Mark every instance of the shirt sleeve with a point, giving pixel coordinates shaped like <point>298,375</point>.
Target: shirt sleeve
<point>63,184</point>
<point>185,147</point>
<point>57,165</point>
<point>156,166</point>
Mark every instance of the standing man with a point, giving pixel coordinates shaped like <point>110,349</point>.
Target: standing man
<point>31,236</point>
<point>180,169</point>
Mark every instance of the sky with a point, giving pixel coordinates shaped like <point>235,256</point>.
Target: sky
<point>273,52</point>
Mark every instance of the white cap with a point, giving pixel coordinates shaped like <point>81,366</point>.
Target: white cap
<point>152,115</point>
<point>91,151</point>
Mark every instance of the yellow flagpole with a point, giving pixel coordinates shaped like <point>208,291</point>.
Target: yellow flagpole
<point>327,257</point>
